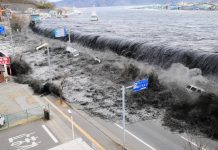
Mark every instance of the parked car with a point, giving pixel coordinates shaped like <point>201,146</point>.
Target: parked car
<point>2,120</point>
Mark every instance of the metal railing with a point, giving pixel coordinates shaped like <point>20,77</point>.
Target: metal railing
<point>24,116</point>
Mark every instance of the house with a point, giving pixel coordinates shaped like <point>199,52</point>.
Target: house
<point>5,67</point>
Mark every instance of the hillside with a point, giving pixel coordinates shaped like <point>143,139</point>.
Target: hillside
<point>33,2</point>
<point>88,3</point>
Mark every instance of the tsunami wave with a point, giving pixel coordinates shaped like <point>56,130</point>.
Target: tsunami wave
<point>158,55</point>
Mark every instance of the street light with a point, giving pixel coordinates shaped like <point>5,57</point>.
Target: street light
<point>69,29</point>
<point>72,123</point>
<point>49,63</point>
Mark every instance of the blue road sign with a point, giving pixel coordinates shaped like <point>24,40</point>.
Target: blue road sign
<point>140,85</point>
<point>2,30</point>
<point>60,32</point>
<point>35,18</point>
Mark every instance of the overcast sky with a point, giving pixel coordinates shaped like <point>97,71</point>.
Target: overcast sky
<point>53,0</point>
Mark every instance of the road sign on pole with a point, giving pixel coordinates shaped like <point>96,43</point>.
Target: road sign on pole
<point>140,85</point>
<point>60,32</point>
<point>123,110</point>
<point>2,30</point>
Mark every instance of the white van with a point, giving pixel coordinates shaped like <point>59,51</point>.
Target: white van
<point>192,88</point>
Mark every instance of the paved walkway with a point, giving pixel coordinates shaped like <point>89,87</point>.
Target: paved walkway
<point>15,98</point>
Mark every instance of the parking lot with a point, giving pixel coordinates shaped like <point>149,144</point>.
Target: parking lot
<point>33,136</point>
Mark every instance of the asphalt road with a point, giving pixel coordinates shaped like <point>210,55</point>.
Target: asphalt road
<point>150,135</point>
<point>83,128</point>
<point>146,135</point>
<point>32,136</point>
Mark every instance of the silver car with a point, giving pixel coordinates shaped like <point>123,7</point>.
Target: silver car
<point>2,120</point>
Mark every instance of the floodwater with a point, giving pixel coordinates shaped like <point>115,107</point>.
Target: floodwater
<point>195,30</point>
<point>160,37</point>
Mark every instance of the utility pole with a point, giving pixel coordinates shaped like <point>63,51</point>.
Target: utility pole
<point>11,36</point>
<point>124,117</point>
<point>49,63</point>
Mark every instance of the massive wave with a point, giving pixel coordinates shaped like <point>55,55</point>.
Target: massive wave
<point>158,55</point>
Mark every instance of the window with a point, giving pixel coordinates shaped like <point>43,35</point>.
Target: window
<point>193,89</point>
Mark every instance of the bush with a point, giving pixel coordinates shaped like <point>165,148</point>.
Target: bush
<point>154,83</point>
<point>130,72</point>
<point>36,86</point>
<point>51,88</point>
<point>20,67</point>
<point>46,5</point>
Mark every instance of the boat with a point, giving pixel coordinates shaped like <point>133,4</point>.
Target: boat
<point>94,16</point>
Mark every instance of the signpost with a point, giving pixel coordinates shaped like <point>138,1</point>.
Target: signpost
<point>60,32</point>
<point>35,18</point>
<point>138,86</point>
<point>2,30</point>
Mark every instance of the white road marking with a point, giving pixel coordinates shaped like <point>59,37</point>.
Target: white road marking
<point>50,134</point>
<point>192,142</point>
<point>24,141</point>
<point>152,148</point>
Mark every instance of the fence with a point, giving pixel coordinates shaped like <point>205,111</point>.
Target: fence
<point>24,116</point>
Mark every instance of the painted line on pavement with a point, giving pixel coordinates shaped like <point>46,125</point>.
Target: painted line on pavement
<point>76,125</point>
<point>50,134</point>
<point>152,148</point>
<point>192,143</point>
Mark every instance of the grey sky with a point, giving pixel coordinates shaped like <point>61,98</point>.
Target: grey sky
<point>53,0</point>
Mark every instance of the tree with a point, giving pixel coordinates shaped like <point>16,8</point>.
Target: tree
<point>44,4</point>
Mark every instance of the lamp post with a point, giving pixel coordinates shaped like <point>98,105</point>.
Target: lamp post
<point>72,122</point>
<point>48,55</point>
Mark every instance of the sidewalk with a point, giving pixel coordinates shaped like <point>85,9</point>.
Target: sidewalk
<point>15,98</point>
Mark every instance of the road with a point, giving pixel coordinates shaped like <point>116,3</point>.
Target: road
<point>32,136</point>
<point>149,135</point>
<point>60,123</point>
<point>82,127</point>
<point>98,133</point>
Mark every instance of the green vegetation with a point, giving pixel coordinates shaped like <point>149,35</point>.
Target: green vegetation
<point>46,5</point>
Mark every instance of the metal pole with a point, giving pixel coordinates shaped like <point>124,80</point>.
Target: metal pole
<point>123,110</point>
<point>9,22</point>
<point>69,36</point>
<point>49,63</point>
<point>72,123</point>
<point>6,73</point>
